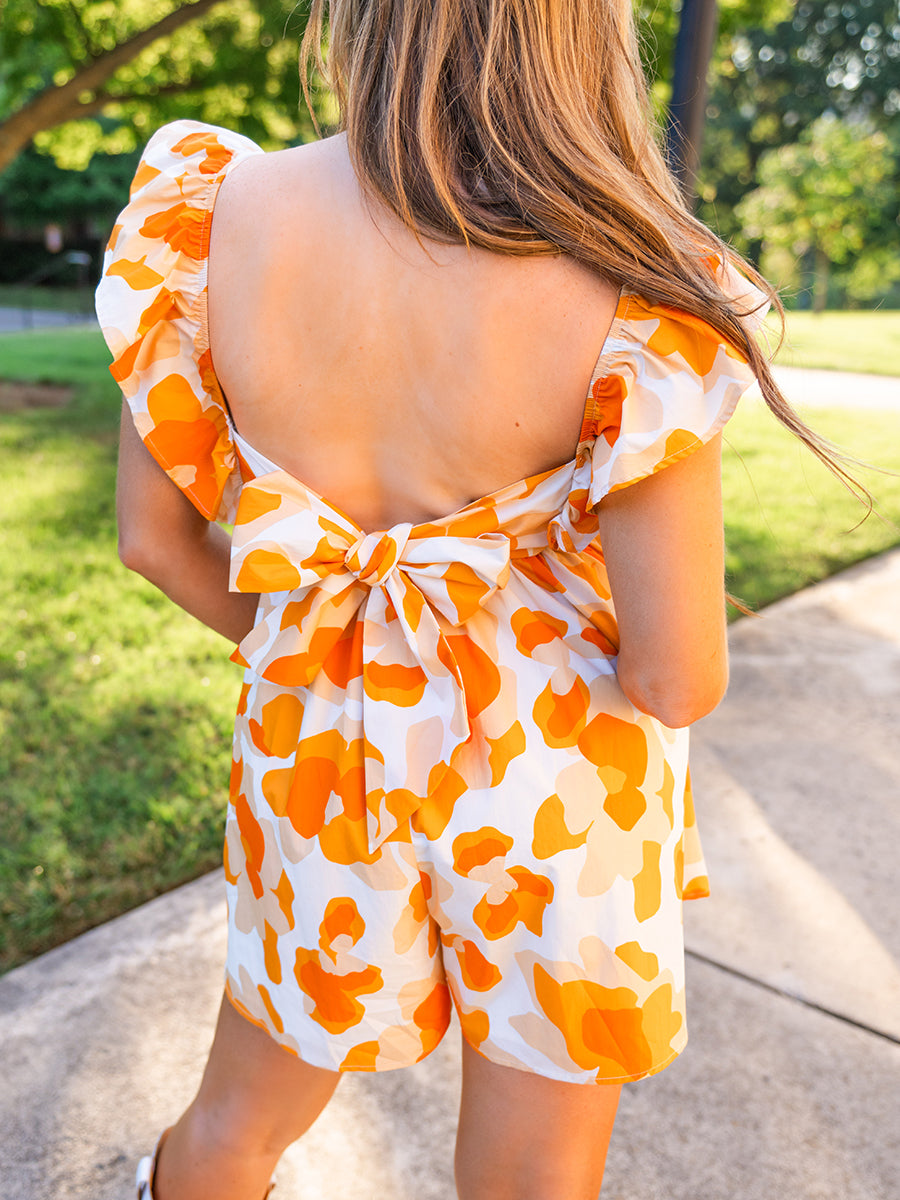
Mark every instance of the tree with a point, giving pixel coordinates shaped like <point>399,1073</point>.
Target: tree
<point>774,79</point>
<point>78,76</point>
<point>35,192</point>
<point>820,199</point>
<point>658,29</point>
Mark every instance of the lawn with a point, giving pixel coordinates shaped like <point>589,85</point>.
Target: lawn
<point>788,521</point>
<point>116,708</point>
<point>868,342</point>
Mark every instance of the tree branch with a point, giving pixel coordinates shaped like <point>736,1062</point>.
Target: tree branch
<point>57,104</point>
<point>99,101</point>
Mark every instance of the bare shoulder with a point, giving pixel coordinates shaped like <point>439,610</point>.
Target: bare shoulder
<point>264,183</point>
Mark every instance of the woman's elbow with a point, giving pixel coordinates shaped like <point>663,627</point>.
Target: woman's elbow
<point>140,553</point>
<point>156,540</point>
<point>680,701</point>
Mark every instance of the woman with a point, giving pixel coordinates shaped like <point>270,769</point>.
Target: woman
<point>461,748</point>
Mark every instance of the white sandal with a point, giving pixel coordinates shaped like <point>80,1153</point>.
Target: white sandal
<point>143,1180</point>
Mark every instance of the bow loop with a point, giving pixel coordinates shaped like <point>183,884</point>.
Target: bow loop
<point>320,578</point>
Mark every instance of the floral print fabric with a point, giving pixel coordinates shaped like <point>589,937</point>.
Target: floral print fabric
<point>440,793</point>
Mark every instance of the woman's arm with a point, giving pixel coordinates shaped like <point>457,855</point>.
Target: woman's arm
<point>165,539</point>
<point>664,548</point>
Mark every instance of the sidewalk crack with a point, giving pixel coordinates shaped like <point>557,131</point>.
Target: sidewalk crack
<point>786,995</point>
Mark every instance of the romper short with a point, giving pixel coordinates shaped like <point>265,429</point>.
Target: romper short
<point>440,793</point>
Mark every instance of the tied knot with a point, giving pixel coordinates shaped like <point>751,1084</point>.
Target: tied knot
<point>319,577</point>
<point>373,556</point>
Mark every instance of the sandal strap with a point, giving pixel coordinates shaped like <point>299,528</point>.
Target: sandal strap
<point>146,1169</point>
<point>143,1178</point>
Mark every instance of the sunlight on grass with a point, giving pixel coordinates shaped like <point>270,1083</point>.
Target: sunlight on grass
<point>868,342</point>
<point>788,521</point>
<point>115,708</point>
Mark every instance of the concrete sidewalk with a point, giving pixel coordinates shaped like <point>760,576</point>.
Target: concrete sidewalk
<point>790,1088</point>
<point>807,387</point>
<point>17,320</point>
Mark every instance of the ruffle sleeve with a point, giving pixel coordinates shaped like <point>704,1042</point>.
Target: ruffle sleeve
<point>151,304</point>
<point>665,383</point>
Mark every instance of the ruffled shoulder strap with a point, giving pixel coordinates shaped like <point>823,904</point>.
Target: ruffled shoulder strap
<point>151,304</point>
<point>666,383</point>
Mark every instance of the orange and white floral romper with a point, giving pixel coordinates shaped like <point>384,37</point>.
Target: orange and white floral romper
<point>440,792</point>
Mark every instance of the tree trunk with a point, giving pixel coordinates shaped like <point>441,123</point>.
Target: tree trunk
<point>57,104</point>
<point>822,271</point>
<point>687,110</point>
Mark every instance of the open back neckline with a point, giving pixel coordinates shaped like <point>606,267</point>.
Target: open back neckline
<point>203,345</point>
<point>489,498</point>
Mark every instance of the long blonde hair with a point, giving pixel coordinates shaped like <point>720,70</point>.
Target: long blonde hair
<point>525,127</point>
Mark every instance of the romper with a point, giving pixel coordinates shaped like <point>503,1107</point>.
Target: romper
<point>440,794</point>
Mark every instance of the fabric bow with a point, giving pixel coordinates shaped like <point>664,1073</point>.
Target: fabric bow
<point>323,582</point>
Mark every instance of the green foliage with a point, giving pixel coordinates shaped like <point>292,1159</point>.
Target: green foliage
<point>35,190</point>
<point>771,81</point>
<point>658,30</point>
<point>235,64</point>
<point>822,197</point>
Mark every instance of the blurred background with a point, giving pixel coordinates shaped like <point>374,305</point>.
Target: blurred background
<point>798,139</point>
<point>783,119</point>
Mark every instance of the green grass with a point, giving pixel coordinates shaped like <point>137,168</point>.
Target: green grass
<point>868,342</point>
<point>116,708</point>
<point>76,356</point>
<point>789,522</point>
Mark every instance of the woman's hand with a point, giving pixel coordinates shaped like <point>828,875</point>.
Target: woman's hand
<point>165,539</point>
<point>664,548</point>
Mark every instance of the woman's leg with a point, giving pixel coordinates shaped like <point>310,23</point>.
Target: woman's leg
<point>254,1100</point>
<point>524,1137</point>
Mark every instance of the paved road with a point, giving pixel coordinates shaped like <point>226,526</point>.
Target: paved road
<point>808,388</point>
<point>12,320</point>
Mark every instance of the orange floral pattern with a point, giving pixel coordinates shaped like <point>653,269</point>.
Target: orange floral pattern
<point>439,789</point>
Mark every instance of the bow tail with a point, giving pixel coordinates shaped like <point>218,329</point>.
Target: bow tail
<point>295,631</point>
<point>408,695</point>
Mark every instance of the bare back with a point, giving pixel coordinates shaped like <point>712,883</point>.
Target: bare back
<point>397,385</point>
